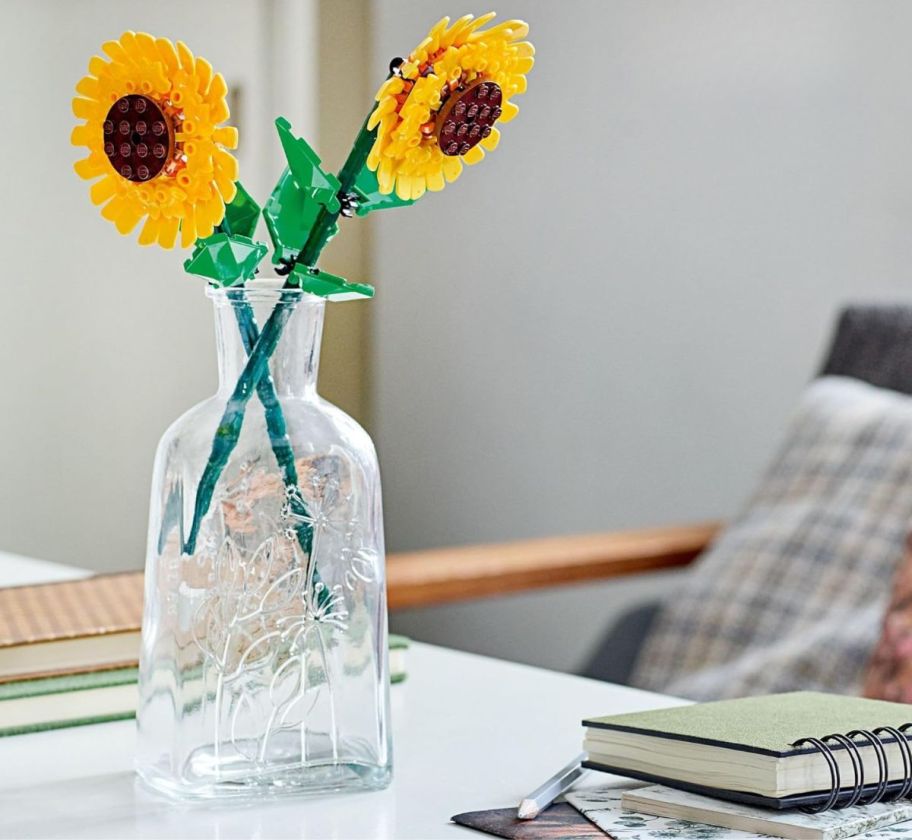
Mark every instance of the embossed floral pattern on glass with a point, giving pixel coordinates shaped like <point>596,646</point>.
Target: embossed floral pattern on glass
<point>264,651</point>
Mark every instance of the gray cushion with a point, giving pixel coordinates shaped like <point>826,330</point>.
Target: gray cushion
<point>616,654</point>
<point>792,593</point>
<point>874,344</point>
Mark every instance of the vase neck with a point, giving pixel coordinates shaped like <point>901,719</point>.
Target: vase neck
<point>240,315</point>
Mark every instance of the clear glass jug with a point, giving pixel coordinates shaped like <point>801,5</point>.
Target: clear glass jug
<point>264,657</point>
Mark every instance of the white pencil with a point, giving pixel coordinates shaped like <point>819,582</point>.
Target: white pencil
<point>559,783</point>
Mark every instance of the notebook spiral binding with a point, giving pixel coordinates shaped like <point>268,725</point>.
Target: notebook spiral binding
<point>859,793</point>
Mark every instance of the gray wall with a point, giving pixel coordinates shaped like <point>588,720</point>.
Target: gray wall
<point>606,323</point>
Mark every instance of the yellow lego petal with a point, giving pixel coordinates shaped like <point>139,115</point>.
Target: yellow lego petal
<point>435,180</point>
<point>91,167</point>
<point>147,48</point>
<point>186,57</point>
<point>98,67</point>
<point>112,210</point>
<point>227,136</point>
<point>84,135</point>
<point>510,110</point>
<point>449,37</point>
<point>511,30</point>
<point>473,155</point>
<point>386,106</point>
<point>85,109</point>
<point>490,142</point>
<point>131,48</point>
<point>167,232</point>
<point>225,185</point>
<point>452,167</point>
<point>436,32</point>
<point>188,227</point>
<point>204,224</point>
<point>385,178</point>
<point>116,52</point>
<point>203,71</point>
<point>225,164</point>
<point>481,21</point>
<point>168,54</point>
<point>219,112</point>
<point>390,87</point>
<point>523,65</point>
<point>149,233</point>
<point>217,89</point>
<point>127,218</point>
<point>524,49</point>
<point>404,187</point>
<point>104,189</point>
<point>88,87</point>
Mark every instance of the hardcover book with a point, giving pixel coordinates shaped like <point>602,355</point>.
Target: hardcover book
<point>662,801</point>
<point>71,700</point>
<point>780,751</point>
<point>78,625</point>
<point>603,806</point>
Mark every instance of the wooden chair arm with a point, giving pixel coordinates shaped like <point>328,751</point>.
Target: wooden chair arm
<point>437,576</point>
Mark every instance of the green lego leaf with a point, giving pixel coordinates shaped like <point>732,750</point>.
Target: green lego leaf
<point>301,193</point>
<point>241,215</point>
<point>290,214</point>
<point>327,285</point>
<point>305,167</point>
<point>226,259</point>
<point>369,196</point>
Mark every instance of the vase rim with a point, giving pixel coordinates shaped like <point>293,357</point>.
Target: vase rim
<point>265,291</point>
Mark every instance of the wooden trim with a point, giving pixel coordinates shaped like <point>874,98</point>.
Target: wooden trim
<point>437,576</point>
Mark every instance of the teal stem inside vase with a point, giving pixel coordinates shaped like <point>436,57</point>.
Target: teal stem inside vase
<point>275,423</point>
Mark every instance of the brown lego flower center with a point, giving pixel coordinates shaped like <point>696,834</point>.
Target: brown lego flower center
<point>467,116</point>
<point>138,137</point>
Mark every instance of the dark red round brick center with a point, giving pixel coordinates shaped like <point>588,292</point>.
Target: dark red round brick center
<point>138,137</point>
<point>467,116</point>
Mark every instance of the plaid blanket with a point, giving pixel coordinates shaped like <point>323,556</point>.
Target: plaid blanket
<point>792,594</point>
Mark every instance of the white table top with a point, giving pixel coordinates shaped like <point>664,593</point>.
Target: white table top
<point>469,733</point>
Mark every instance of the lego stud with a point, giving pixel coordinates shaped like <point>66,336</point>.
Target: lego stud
<point>130,120</point>
<point>467,116</point>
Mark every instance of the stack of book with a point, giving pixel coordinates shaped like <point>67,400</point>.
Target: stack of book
<point>798,765</point>
<point>69,652</point>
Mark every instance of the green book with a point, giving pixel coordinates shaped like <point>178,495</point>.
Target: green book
<point>71,700</point>
<point>398,645</point>
<point>34,705</point>
<point>754,750</point>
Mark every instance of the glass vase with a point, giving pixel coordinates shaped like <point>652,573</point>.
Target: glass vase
<point>264,655</point>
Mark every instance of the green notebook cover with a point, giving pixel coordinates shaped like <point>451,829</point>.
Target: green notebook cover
<point>68,682</point>
<point>769,724</point>
<point>397,642</point>
<point>21,689</point>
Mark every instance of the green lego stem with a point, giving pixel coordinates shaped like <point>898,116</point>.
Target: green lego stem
<point>229,428</point>
<point>275,425</point>
<point>323,226</point>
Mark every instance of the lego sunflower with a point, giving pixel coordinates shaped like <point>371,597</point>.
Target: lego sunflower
<point>152,116</point>
<point>439,107</point>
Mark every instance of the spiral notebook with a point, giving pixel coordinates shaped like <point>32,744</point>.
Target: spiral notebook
<point>803,749</point>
